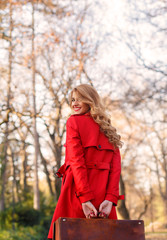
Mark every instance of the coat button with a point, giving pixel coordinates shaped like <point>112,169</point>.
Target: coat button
<point>99,146</point>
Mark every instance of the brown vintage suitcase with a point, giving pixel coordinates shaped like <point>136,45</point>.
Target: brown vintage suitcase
<point>98,229</point>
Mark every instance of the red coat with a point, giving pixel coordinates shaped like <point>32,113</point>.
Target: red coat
<point>91,171</point>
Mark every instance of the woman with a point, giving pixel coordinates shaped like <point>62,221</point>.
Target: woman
<point>91,173</point>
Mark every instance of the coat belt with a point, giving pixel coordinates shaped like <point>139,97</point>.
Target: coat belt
<point>99,165</point>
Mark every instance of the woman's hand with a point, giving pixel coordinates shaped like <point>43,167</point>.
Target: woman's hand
<point>89,209</point>
<point>105,209</point>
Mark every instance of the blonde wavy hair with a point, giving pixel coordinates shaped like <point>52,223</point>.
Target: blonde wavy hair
<point>89,95</point>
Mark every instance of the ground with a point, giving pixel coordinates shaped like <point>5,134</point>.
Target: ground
<point>156,236</point>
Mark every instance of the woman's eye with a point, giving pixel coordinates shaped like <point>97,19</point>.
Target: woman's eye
<point>76,100</point>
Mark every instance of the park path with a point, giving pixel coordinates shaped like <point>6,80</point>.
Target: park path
<point>156,236</point>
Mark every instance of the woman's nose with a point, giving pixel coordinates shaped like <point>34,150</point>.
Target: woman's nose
<point>75,104</point>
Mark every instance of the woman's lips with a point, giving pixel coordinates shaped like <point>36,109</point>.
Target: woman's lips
<point>76,109</point>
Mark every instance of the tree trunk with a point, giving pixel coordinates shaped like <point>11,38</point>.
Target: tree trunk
<point>36,181</point>
<point>23,176</point>
<point>15,191</point>
<point>58,180</point>
<point>165,197</point>
<point>122,205</point>
<point>5,158</point>
<point>46,172</point>
<point>13,173</point>
<point>3,172</point>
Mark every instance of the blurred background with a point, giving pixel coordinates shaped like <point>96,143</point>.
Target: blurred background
<point>47,48</point>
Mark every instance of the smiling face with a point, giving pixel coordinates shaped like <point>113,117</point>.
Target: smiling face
<point>77,105</point>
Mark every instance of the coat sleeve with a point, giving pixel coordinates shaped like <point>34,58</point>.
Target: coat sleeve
<point>75,156</point>
<point>112,193</point>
